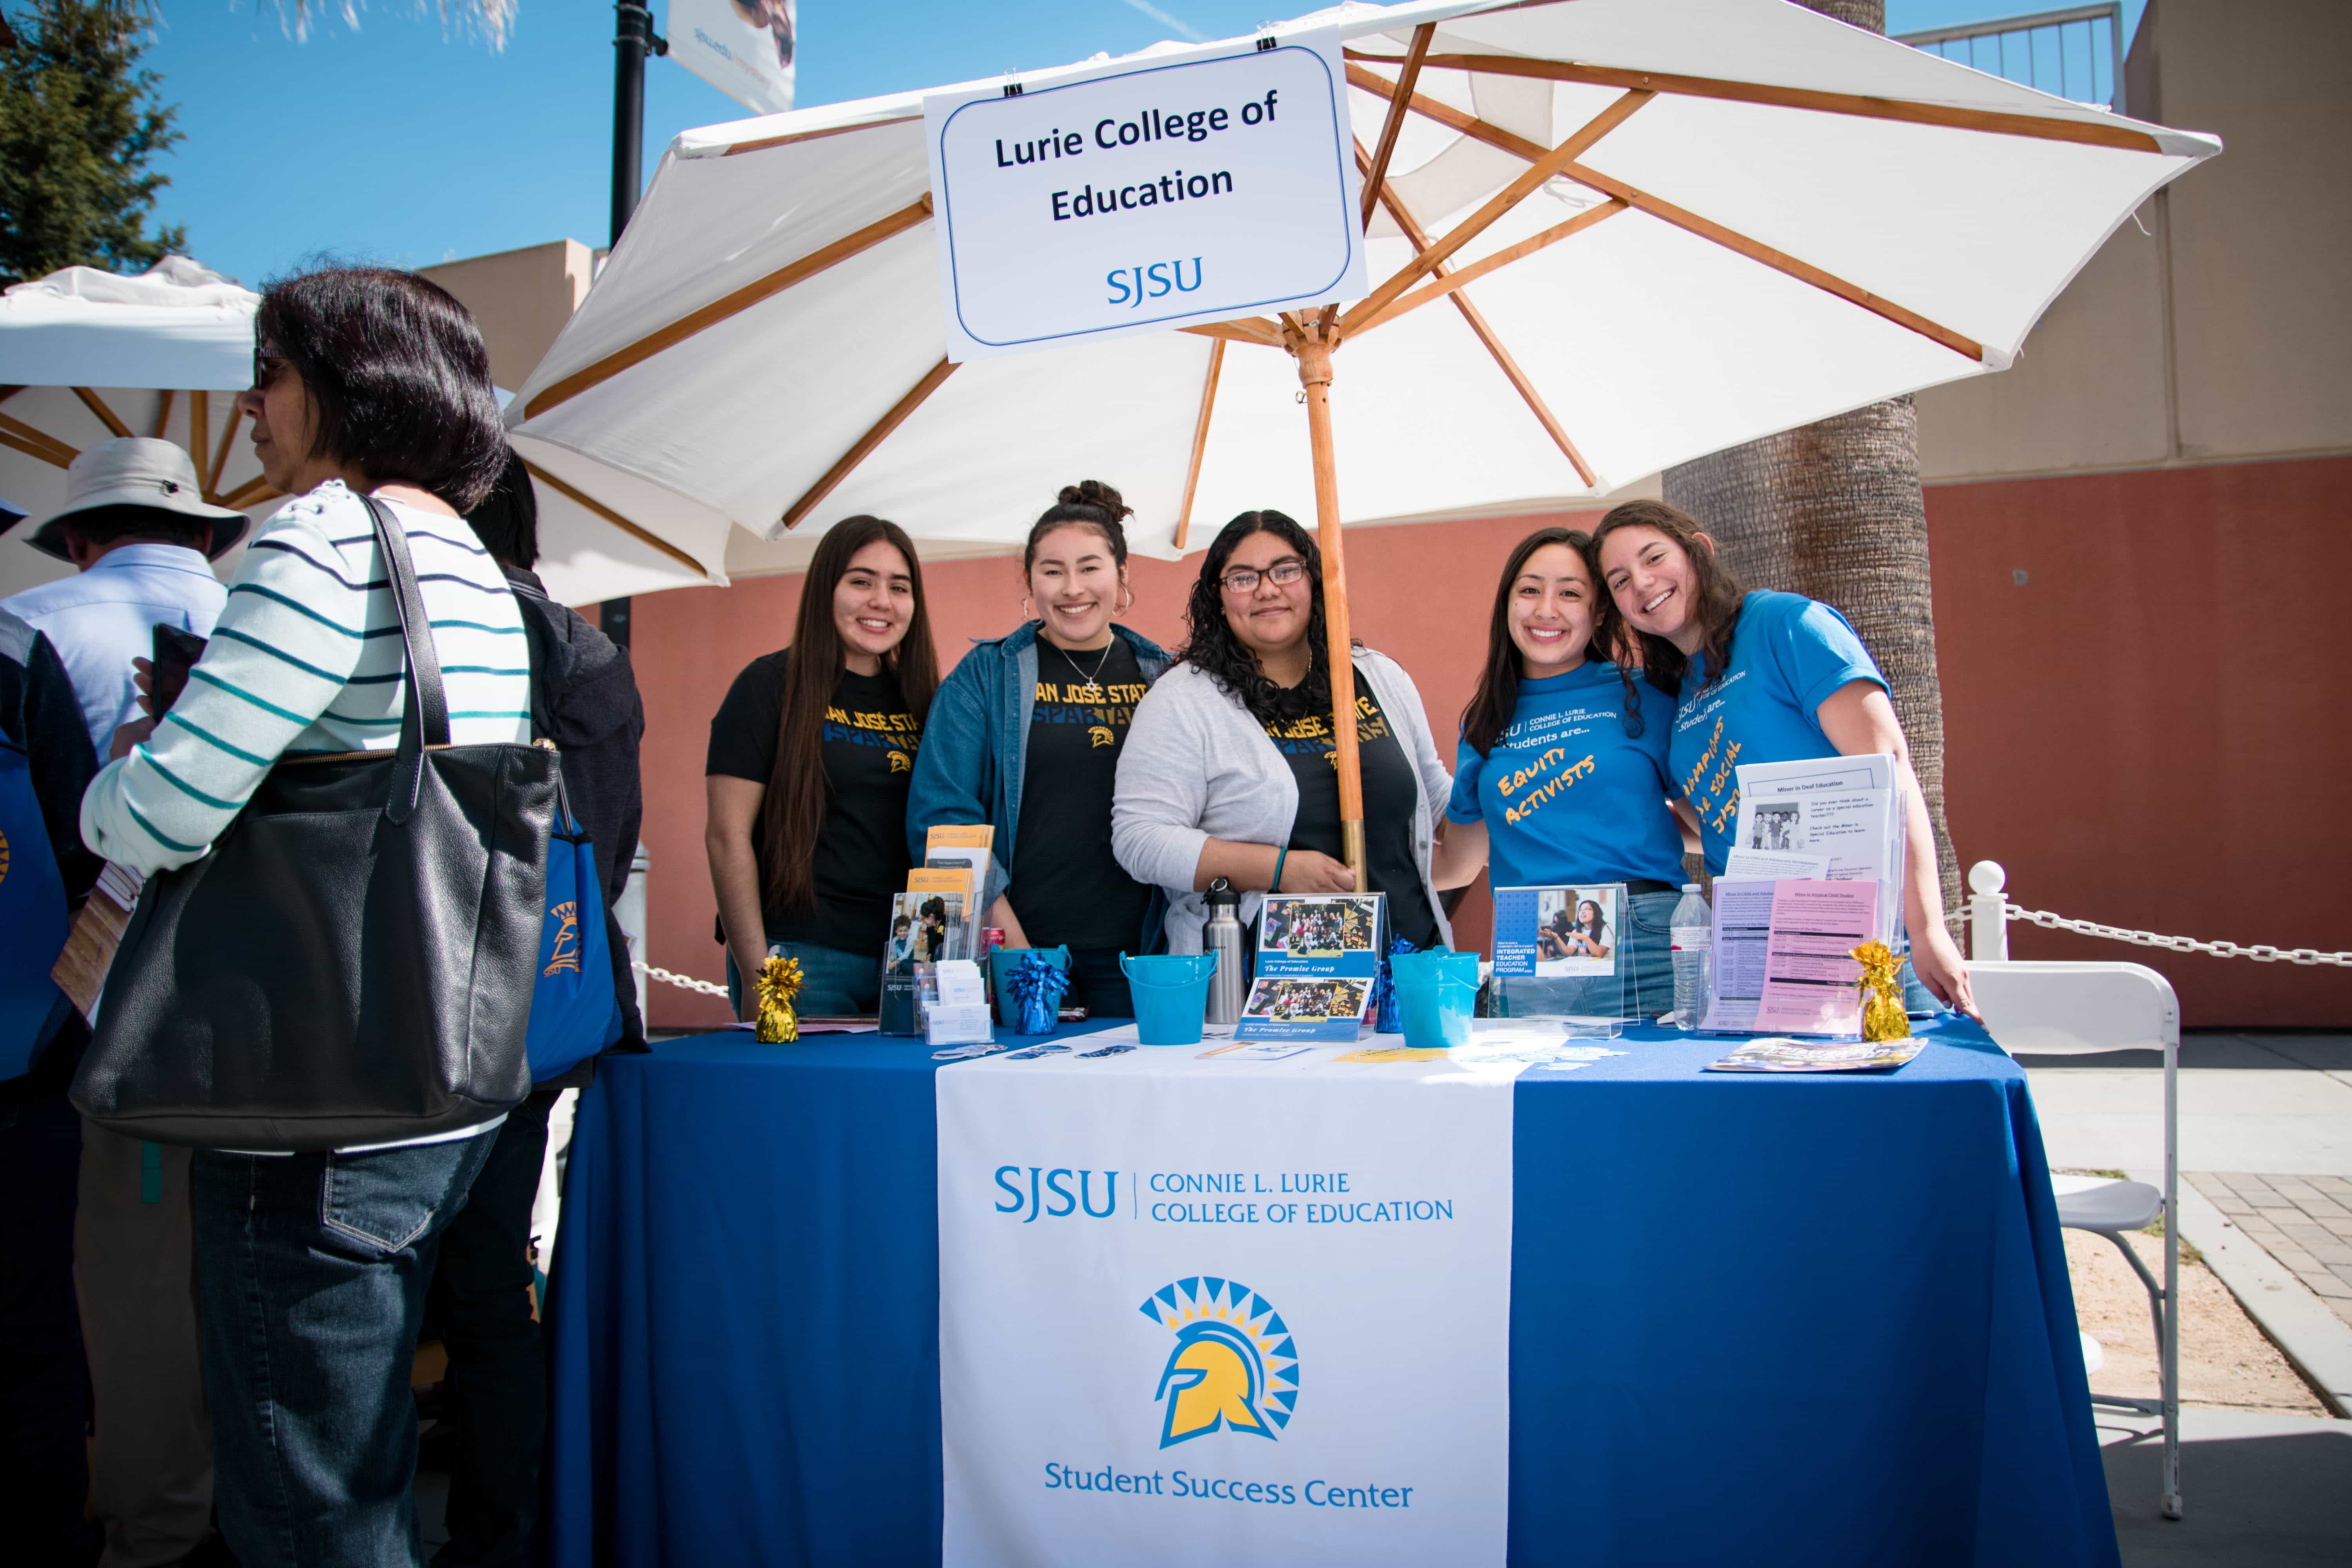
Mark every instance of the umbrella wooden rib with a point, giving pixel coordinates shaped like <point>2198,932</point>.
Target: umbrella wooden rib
<point>36,443</point>
<point>741,299</point>
<point>1451,283</point>
<point>1374,307</point>
<point>1358,322</point>
<point>220,452</point>
<point>798,511</point>
<point>1551,162</point>
<point>164,412</point>
<point>1200,440</point>
<point>643,536</point>
<point>1951,116</point>
<point>257,489</point>
<point>1242,329</point>
<point>97,404</point>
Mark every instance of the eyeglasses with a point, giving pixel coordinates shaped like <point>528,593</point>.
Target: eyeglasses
<point>265,365</point>
<point>1243,579</point>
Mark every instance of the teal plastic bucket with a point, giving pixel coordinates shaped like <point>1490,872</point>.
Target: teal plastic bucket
<point>1171,995</point>
<point>1005,960</point>
<point>1436,994</point>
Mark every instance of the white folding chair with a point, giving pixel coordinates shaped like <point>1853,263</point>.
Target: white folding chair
<point>2071,1009</point>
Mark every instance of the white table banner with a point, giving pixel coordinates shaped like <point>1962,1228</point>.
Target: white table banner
<point>1244,1309</point>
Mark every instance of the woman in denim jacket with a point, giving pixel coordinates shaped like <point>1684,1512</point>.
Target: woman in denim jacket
<point>1025,735</point>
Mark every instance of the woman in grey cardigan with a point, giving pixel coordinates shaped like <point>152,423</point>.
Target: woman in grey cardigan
<point>1228,769</point>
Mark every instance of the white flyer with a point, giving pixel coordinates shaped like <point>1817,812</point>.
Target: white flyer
<point>1851,812</point>
<point>1196,1309</point>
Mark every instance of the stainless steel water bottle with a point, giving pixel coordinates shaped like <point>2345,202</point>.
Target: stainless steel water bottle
<point>1223,936</point>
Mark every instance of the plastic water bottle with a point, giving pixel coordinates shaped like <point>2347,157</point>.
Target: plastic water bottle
<point>1694,939</point>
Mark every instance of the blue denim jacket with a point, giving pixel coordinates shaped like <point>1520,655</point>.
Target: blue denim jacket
<point>976,746</point>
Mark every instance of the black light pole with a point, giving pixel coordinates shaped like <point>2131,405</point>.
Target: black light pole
<point>633,39</point>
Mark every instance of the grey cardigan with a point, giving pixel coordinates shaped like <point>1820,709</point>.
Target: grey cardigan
<point>1196,766</point>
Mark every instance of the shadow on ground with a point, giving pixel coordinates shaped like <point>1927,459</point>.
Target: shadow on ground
<point>2259,1490</point>
<point>2272,1051</point>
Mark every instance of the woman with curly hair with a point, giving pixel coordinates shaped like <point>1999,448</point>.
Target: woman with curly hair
<point>1229,769</point>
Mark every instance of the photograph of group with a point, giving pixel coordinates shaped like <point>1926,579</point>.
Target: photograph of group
<point>1319,928</point>
<point>1277,1000</point>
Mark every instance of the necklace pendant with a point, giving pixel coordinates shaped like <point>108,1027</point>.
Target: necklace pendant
<point>1090,692</point>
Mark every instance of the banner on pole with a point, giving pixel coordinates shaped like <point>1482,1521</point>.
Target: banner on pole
<point>1184,186</point>
<point>1231,1308</point>
<point>742,47</point>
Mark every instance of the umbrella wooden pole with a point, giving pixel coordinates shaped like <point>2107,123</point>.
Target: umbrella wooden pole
<point>1315,375</point>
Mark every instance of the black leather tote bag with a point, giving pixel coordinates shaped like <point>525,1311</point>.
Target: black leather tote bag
<point>353,961</point>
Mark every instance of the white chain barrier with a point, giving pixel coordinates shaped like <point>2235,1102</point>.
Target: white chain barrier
<point>1986,880</point>
<point>2261,952</point>
<point>683,981</point>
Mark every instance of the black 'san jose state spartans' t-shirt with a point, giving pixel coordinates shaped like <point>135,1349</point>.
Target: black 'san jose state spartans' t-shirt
<point>870,740</point>
<point>1390,800</point>
<point>1066,887</point>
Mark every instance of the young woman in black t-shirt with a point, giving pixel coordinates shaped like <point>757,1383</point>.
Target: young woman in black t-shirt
<point>1026,734</point>
<point>811,754</point>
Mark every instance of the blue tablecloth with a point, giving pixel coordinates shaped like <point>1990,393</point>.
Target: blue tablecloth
<point>1754,1320</point>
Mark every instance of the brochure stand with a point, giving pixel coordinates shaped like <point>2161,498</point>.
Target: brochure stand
<point>1560,953</point>
<point>1316,960</point>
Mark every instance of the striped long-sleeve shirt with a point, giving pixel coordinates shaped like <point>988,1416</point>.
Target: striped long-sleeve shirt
<point>307,658</point>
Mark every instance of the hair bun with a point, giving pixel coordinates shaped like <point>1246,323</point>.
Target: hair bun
<point>1093,492</point>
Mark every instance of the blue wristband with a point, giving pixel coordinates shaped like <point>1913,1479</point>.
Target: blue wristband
<point>1281,855</point>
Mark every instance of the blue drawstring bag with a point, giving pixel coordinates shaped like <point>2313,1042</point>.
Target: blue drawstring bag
<point>575,1010</point>
<point>32,915</point>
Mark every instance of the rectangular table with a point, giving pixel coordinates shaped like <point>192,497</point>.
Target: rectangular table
<point>1754,1320</point>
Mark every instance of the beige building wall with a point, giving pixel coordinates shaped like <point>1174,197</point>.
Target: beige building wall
<point>521,297</point>
<point>2224,332</point>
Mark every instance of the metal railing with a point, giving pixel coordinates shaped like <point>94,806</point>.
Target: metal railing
<point>2056,51</point>
<point>1989,913</point>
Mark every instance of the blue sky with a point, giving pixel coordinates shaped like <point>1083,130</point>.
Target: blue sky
<point>401,144</point>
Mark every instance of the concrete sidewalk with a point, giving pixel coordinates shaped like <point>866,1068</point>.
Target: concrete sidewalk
<point>2261,1491</point>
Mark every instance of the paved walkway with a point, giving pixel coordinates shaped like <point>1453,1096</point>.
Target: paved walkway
<point>2304,1222</point>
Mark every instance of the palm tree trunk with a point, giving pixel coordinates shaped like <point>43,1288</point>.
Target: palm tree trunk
<point>1835,511</point>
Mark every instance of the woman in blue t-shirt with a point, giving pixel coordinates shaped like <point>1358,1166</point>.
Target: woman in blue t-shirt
<point>1561,782</point>
<point>1759,677</point>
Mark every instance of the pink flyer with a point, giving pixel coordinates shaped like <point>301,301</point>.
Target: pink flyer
<point>1808,976</point>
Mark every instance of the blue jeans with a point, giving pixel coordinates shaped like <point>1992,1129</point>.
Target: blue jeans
<point>310,1278</point>
<point>834,984</point>
<point>1643,987</point>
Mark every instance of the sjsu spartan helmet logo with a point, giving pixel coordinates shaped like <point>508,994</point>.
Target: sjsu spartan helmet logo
<point>900,763</point>
<point>1217,1377</point>
<point>565,954</point>
<point>1101,735</point>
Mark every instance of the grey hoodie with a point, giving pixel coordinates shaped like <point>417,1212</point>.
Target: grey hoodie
<point>1196,766</point>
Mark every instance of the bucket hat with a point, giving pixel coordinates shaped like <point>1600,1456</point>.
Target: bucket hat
<point>137,470</point>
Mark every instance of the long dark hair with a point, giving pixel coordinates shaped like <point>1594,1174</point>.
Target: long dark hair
<point>1218,653</point>
<point>1089,503</point>
<point>792,811</point>
<point>1717,608</point>
<point>1488,713</point>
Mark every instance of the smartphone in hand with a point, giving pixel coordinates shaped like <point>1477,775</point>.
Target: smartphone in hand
<point>176,652</point>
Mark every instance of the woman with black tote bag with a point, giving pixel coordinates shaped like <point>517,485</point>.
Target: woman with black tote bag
<point>325,986</point>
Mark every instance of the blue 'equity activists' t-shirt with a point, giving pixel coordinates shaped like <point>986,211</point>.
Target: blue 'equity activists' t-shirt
<point>1567,796</point>
<point>1788,653</point>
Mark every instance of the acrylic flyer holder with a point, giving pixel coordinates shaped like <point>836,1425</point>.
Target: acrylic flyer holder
<point>1559,953</point>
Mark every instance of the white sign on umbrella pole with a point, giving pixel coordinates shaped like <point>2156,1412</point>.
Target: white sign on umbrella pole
<point>1191,186</point>
<point>742,47</point>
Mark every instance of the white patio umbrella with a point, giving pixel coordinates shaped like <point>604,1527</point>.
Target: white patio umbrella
<point>1684,224</point>
<point>85,354</point>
